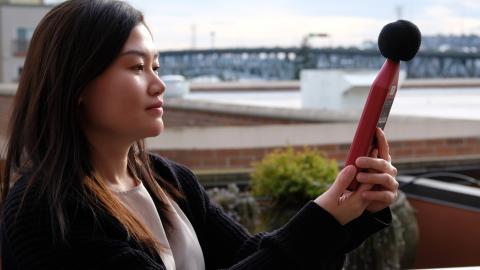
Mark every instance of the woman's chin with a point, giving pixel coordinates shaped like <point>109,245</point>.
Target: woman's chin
<point>155,130</point>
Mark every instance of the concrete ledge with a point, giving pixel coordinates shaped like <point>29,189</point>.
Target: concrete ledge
<point>313,115</point>
<point>8,89</point>
<point>305,134</point>
<point>441,83</point>
<point>295,85</point>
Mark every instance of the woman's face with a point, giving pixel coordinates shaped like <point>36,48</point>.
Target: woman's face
<point>125,101</point>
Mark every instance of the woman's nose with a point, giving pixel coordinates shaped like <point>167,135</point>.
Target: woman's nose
<point>157,87</point>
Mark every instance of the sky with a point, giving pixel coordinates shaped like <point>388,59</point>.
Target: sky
<point>200,24</point>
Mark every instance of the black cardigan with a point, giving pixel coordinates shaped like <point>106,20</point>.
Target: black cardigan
<point>313,239</point>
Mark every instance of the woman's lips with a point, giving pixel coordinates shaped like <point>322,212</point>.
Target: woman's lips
<point>155,105</point>
<point>156,108</point>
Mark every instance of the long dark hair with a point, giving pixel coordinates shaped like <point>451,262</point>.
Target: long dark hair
<point>72,45</point>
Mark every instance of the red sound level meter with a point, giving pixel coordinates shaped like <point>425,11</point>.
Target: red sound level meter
<point>375,113</point>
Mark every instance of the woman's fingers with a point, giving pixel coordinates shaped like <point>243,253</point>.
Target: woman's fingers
<point>343,205</point>
<point>364,187</point>
<point>383,148</point>
<point>387,197</point>
<point>379,165</point>
<point>384,180</point>
<point>343,180</point>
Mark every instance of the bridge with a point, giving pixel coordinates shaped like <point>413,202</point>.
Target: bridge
<point>285,63</point>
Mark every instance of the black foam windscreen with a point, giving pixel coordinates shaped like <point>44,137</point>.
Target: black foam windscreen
<point>399,40</point>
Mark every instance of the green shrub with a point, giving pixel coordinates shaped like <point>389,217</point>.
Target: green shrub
<point>290,178</point>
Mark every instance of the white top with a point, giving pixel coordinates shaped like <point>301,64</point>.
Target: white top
<point>183,249</point>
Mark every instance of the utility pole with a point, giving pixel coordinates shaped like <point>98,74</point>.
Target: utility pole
<point>212,39</point>
<point>304,58</point>
<point>309,36</point>
<point>399,12</point>
<point>194,36</point>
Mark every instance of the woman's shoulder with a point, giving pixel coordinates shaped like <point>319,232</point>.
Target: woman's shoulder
<point>24,212</point>
<point>21,195</point>
<point>180,176</point>
<point>171,171</point>
<point>27,210</point>
<point>28,205</point>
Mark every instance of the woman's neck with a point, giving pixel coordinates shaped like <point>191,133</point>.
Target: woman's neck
<point>110,161</point>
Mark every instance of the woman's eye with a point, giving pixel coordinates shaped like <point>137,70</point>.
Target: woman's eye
<point>156,69</point>
<point>138,67</point>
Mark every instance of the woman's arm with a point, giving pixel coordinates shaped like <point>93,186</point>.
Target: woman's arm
<point>317,237</point>
<point>313,239</point>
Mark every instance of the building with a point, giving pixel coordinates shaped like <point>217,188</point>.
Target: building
<point>18,19</point>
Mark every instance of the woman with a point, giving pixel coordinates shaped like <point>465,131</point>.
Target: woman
<point>79,190</point>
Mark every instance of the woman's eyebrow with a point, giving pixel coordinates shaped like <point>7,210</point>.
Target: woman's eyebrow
<point>137,52</point>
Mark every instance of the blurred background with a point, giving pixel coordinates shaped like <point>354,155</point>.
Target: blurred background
<point>228,24</point>
<point>251,84</point>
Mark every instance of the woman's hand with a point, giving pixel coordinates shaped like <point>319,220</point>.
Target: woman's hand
<point>378,188</point>
<point>381,174</point>
<point>342,204</point>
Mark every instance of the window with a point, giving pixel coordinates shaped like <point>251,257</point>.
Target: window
<point>20,45</point>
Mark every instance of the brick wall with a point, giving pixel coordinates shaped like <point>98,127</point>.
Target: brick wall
<point>399,150</point>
